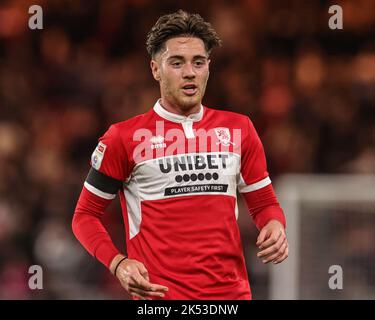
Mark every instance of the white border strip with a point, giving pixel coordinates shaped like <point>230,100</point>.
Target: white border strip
<point>99,193</point>
<point>255,186</point>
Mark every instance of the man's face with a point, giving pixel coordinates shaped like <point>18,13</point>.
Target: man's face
<point>182,71</point>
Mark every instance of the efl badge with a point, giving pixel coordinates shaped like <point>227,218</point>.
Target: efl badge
<point>97,155</point>
<point>223,134</point>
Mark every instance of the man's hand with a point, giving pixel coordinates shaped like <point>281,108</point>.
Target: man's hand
<point>133,276</point>
<point>273,243</point>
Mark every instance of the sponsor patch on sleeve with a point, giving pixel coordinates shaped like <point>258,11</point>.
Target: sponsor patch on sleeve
<point>97,155</point>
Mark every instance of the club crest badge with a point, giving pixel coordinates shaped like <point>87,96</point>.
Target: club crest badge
<point>223,134</point>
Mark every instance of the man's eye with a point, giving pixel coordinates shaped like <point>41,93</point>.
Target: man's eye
<point>176,64</point>
<point>199,63</point>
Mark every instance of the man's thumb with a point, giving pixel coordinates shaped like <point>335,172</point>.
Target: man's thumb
<point>144,273</point>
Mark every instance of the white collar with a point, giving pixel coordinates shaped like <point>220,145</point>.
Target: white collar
<point>174,117</point>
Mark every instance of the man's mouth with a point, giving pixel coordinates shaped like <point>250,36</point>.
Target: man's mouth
<point>190,89</point>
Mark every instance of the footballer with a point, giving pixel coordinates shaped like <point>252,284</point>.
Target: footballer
<point>177,169</point>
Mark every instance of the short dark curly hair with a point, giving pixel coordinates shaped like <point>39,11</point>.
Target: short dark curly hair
<point>177,24</point>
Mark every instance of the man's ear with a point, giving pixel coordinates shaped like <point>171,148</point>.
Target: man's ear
<point>155,69</point>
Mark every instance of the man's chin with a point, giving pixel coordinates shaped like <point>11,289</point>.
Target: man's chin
<point>189,102</point>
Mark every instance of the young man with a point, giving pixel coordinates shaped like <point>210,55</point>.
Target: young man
<point>177,169</point>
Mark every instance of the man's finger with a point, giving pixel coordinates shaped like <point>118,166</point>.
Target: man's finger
<point>277,254</point>
<point>272,239</point>
<point>142,283</point>
<point>136,295</point>
<point>145,293</point>
<point>273,248</point>
<point>139,281</point>
<point>283,257</point>
<point>143,271</point>
<point>262,236</point>
<point>159,287</point>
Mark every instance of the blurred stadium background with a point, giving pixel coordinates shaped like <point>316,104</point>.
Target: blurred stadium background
<point>309,90</point>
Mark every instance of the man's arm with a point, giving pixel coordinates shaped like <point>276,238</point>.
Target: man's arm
<point>110,167</point>
<point>90,231</point>
<point>256,188</point>
<point>270,220</point>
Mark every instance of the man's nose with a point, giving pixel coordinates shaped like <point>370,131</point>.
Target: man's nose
<point>188,71</point>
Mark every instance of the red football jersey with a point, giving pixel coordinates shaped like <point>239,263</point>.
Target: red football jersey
<point>177,178</point>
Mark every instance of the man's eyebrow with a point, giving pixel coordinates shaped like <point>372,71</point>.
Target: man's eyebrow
<point>175,57</point>
<point>182,57</point>
<point>200,57</point>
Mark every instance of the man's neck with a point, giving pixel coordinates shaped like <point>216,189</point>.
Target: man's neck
<point>178,110</point>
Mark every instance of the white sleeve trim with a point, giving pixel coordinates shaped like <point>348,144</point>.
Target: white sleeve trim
<point>98,192</point>
<point>243,187</point>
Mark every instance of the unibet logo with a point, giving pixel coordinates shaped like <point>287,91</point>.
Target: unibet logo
<point>193,162</point>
